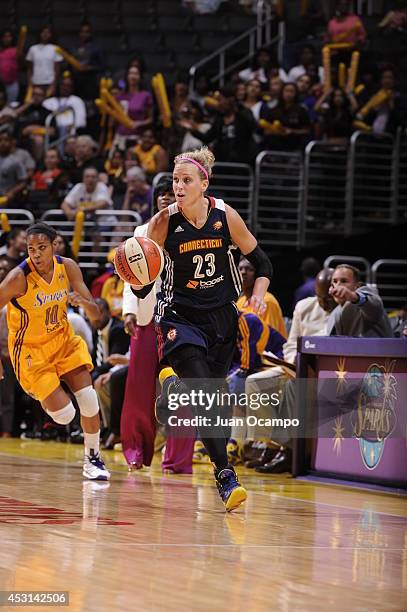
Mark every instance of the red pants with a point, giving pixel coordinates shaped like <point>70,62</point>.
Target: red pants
<point>137,426</point>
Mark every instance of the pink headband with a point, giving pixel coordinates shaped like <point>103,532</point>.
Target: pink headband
<point>197,164</point>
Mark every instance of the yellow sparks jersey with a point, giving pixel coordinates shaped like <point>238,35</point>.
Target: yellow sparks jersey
<point>41,313</point>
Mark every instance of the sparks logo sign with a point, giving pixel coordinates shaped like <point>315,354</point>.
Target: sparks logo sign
<point>375,418</point>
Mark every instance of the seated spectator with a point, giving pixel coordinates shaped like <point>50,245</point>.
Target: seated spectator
<point>201,91</point>
<point>62,246</point>
<point>10,55</point>
<point>24,157</point>
<point>359,310</point>
<point>392,112</point>
<point>114,176</point>
<point>311,318</point>
<point>112,293</point>
<point>195,113</point>
<point>91,56</point>
<point>398,320</point>
<point>81,327</point>
<point>254,100</point>
<point>131,159</point>
<point>272,316</point>
<point>89,196</point>
<point>114,167</point>
<point>262,68</point>
<point>68,155</point>
<point>153,157</point>
<point>309,269</point>
<point>240,91</point>
<point>138,104</point>
<point>311,314</point>
<point>273,94</point>
<point>232,132</point>
<point>85,155</point>
<point>345,27</point>
<point>114,384</point>
<point>31,123</point>
<point>136,61</point>
<point>395,19</point>
<point>7,114</point>
<point>306,95</point>
<point>294,122</point>
<point>306,59</point>
<point>393,29</point>
<point>69,120</point>
<point>43,62</point>
<point>12,174</point>
<point>44,179</point>
<point>16,250</point>
<point>253,338</point>
<point>179,99</point>
<point>336,108</point>
<point>139,194</point>
<point>109,338</point>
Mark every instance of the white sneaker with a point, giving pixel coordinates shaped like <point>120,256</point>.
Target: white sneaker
<point>94,468</point>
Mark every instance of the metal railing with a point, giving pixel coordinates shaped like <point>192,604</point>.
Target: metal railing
<point>361,263</point>
<point>233,183</point>
<point>390,278</point>
<point>18,217</point>
<point>371,185</point>
<point>246,45</point>
<point>278,207</point>
<point>100,235</point>
<point>325,190</point>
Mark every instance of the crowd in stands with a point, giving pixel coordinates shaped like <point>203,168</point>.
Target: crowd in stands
<point>60,149</point>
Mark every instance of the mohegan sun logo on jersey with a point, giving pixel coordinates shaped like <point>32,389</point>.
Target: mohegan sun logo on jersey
<point>375,417</point>
<point>217,225</point>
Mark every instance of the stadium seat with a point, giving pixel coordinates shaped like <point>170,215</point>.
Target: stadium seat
<point>169,7</point>
<point>131,7</point>
<point>174,23</point>
<point>185,43</point>
<point>240,23</point>
<point>210,23</point>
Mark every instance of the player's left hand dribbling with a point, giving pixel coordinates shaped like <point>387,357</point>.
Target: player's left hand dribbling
<point>75,299</point>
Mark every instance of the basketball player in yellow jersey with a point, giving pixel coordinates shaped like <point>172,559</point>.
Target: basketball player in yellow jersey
<point>42,344</point>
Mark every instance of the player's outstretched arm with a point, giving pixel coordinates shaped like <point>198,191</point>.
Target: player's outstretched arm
<point>80,294</point>
<point>247,243</point>
<point>13,286</point>
<point>157,230</point>
<point>158,227</point>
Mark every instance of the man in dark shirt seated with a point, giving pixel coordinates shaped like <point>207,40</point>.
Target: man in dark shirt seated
<point>360,311</point>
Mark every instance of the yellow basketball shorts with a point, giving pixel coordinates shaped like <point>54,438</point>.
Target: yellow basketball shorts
<point>39,368</point>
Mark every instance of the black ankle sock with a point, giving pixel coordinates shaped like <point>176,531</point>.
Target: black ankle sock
<point>217,452</point>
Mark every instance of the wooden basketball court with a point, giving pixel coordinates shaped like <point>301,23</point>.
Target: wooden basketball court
<point>154,542</point>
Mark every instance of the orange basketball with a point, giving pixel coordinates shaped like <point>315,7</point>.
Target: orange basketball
<point>139,261</point>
